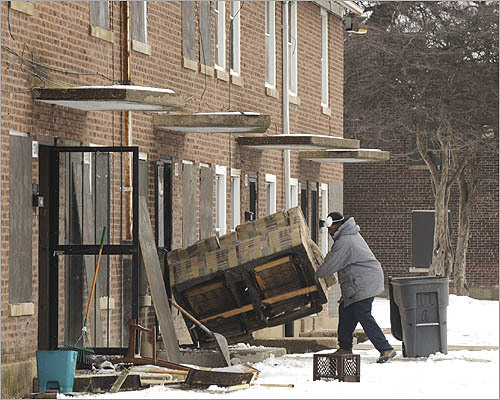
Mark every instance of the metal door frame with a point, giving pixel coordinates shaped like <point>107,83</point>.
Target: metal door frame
<point>56,249</point>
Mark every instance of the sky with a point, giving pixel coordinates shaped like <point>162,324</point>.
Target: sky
<point>460,374</point>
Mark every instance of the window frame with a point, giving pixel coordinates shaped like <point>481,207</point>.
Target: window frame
<point>270,38</point>
<point>235,198</point>
<point>292,49</point>
<point>220,200</point>
<point>324,59</point>
<point>294,192</point>
<point>235,61</point>
<point>270,183</point>
<point>220,35</point>
<point>324,213</point>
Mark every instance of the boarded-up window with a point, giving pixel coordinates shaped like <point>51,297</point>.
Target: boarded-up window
<point>21,219</point>
<point>205,30</point>
<point>99,14</point>
<point>206,200</point>
<point>188,30</point>
<point>138,21</point>
<point>188,204</point>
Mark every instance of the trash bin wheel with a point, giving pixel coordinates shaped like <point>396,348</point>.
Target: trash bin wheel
<point>404,350</point>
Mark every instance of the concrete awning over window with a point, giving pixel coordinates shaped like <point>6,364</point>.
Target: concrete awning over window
<point>111,98</point>
<point>345,155</point>
<point>221,122</point>
<point>297,141</point>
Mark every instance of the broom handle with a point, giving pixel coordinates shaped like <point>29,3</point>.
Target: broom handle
<point>95,278</point>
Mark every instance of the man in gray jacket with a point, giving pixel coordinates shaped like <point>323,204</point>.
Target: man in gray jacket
<point>361,278</point>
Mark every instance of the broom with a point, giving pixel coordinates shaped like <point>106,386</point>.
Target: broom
<point>84,358</point>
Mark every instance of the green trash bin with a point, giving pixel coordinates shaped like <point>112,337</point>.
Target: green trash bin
<point>56,370</point>
<point>422,305</point>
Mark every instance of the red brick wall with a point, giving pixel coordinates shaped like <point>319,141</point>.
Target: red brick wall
<point>57,35</point>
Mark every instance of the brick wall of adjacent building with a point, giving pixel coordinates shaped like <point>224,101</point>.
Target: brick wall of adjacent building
<point>57,37</point>
<point>382,196</point>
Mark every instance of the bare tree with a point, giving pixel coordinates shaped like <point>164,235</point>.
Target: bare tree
<point>429,70</point>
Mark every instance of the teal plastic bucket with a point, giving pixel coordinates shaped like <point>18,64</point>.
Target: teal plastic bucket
<point>56,370</point>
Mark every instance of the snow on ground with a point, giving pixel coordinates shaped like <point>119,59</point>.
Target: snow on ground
<point>463,374</point>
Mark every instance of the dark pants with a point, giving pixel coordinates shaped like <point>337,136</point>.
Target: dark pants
<point>361,312</point>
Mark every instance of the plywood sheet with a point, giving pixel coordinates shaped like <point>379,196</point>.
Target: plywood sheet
<point>156,283</point>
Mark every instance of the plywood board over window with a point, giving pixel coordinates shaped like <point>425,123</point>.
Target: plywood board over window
<point>188,204</point>
<point>139,26</point>
<point>205,38</point>
<point>206,200</point>
<point>189,35</point>
<point>99,20</point>
<point>21,219</point>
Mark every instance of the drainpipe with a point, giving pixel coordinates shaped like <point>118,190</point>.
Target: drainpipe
<point>289,331</point>
<point>127,125</point>
<point>286,105</point>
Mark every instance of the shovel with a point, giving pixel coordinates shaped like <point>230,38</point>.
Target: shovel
<point>219,339</point>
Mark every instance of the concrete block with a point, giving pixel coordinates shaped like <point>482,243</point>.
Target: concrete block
<point>272,332</point>
<point>320,323</point>
<point>299,345</point>
<point>20,309</point>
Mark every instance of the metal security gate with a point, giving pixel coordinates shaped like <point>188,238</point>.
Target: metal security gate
<point>92,188</point>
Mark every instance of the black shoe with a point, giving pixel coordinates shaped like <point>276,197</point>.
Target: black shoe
<point>343,351</point>
<point>386,355</point>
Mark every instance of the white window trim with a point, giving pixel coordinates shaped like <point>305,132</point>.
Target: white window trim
<point>235,198</point>
<point>271,180</point>
<point>294,192</point>
<point>293,50</point>
<point>220,44</point>
<point>324,213</point>
<point>324,58</point>
<point>270,44</point>
<point>235,25</point>
<point>220,199</point>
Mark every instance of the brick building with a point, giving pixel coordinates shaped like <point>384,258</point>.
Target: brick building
<point>177,58</point>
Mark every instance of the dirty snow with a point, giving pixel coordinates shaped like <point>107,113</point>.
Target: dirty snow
<point>462,374</point>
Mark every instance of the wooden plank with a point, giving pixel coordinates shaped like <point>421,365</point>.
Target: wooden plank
<point>272,264</point>
<point>119,381</point>
<point>156,283</point>
<point>204,289</point>
<point>206,201</point>
<point>188,205</point>
<point>290,295</point>
<point>270,300</point>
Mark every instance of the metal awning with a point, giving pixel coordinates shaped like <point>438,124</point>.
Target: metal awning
<point>297,141</point>
<point>218,122</point>
<point>111,98</point>
<point>346,155</point>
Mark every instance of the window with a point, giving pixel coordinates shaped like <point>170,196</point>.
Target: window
<point>324,214</point>
<point>220,200</point>
<point>324,58</point>
<point>99,14</point>
<point>292,47</point>
<point>220,35</point>
<point>270,194</point>
<point>294,192</point>
<point>235,37</point>
<point>138,21</point>
<point>235,198</point>
<point>270,44</point>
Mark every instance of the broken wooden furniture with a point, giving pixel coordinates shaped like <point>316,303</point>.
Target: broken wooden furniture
<point>259,276</point>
